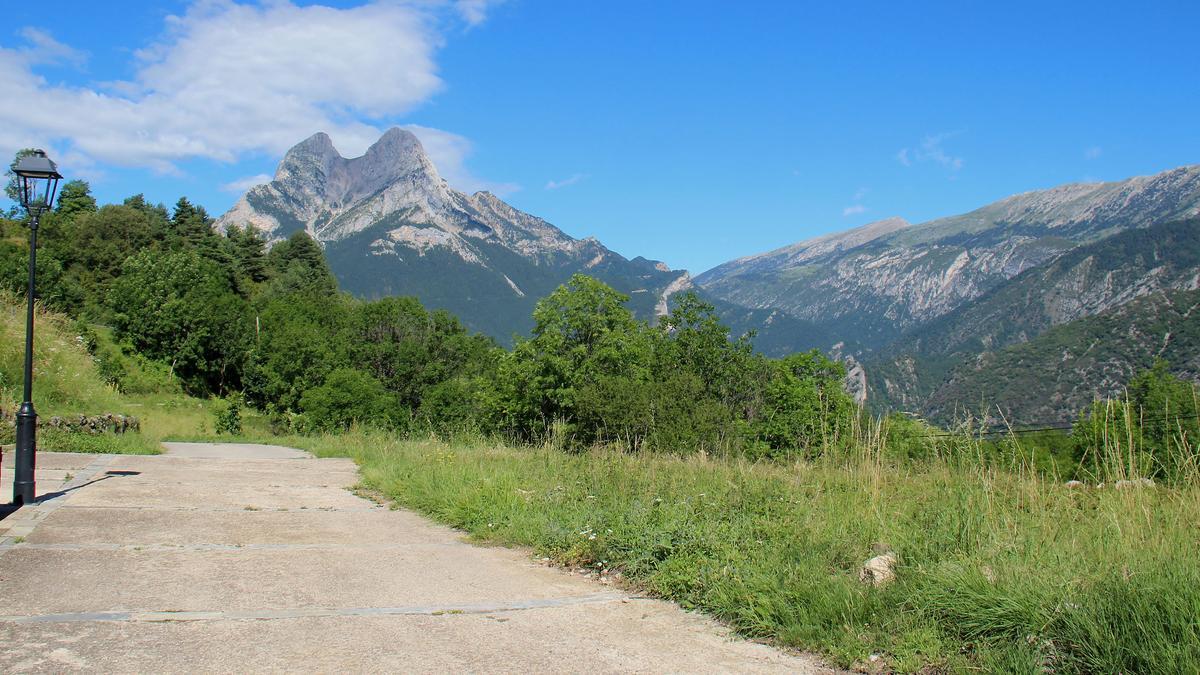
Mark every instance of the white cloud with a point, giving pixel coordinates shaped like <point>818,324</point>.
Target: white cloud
<point>573,179</point>
<point>228,79</point>
<point>853,210</point>
<point>1093,152</point>
<point>242,184</point>
<point>931,150</point>
<point>860,193</point>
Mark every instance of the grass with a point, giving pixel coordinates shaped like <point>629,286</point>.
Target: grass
<point>998,571</point>
<point>67,382</point>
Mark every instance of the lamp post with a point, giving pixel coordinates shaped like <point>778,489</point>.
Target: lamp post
<point>37,181</point>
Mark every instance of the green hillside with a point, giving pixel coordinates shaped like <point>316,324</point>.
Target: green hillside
<point>1080,282</point>
<point>1091,280</point>
<point>1053,376</point>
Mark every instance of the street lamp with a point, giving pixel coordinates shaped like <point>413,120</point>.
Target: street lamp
<point>37,181</point>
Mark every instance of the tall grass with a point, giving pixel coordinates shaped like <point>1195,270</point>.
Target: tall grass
<point>999,570</point>
<point>67,381</point>
<point>65,378</point>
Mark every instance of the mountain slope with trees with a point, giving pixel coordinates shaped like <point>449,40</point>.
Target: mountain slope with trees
<point>1060,372</point>
<point>869,286</point>
<point>390,225</point>
<point>1087,281</point>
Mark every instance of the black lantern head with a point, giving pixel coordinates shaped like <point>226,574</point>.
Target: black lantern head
<point>37,179</point>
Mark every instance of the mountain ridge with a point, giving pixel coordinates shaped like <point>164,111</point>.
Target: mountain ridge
<point>873,292</point>
<point>391,225</point>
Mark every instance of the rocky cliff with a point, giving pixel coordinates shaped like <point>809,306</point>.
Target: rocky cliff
<point>390,225</point>
<point>871,285</point>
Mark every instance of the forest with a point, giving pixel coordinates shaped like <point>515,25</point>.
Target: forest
<point>164,302</point>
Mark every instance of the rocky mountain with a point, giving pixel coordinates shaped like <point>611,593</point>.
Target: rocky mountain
<point>981,308</point>
<point>390,225</point>
<point>1053,376</point>
<point>869,286</point>
<point>916,371</point>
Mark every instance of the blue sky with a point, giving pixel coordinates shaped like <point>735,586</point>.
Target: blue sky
<point>691,132</point>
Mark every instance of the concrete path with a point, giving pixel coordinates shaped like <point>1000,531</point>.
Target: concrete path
<point>235,558</point>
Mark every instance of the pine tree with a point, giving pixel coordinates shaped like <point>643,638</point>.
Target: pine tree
<point>75,199</point>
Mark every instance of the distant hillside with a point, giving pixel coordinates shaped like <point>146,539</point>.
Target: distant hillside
<point>390,225</point>
<point>869,286</point>
<point>1050,378</point>
<point>1085,281</point>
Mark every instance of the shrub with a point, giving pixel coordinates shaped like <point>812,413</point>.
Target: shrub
<point>1151,432</point>
<point>805,406</point>
<point>228,416</point>
<point>348,396</point>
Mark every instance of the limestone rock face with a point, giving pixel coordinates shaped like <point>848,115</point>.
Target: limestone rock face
<point>390,225</point>
<point>921,313</point>
<point>871,284</point>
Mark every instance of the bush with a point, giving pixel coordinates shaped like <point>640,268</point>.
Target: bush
<point>1151,432</point>
<point>228,416</point>
<point>349,396</point>
<point>806,408</point>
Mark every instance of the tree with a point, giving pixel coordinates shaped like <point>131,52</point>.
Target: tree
<point>52,288</point>
<point>409,349</point>
<point>156,211</point>
<point>75,198</point>
<point>348,396</point>
<point>178,308</point>
<point>698,343</point>
<point>299,340</point>
<point>249,252</point>
<point>95,246</point>
<point>1152,431</point>
<point>582,333</point>
<point>12,189</point>
<point>805,406</point>
<point>297,263</point>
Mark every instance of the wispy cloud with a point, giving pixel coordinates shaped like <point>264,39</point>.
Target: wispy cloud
<point>242,184</point>
<point>853,210</point>
<point>931,149</point>
<point>1093,152</point>
<point>573,179</point>
<point>43,48</point>
<point>474,12</point>
<point>860,193</point>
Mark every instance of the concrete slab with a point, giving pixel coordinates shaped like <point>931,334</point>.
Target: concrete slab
<point>147,527</point>
<point>632,637</point>
<point>261,560</point>
<point>52,460</point>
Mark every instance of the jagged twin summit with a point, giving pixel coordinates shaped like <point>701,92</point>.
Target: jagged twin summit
<point>390,225</point>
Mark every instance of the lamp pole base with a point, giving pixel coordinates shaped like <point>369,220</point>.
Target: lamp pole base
<point>24,488</point>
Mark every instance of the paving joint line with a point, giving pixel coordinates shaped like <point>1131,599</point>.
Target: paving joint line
<point>26,518</point>
<point>153,616</point>
<point>213,547</point>
<point>230,509</point>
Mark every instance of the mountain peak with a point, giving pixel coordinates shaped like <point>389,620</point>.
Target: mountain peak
<point>390,225</point>
<point>396,137</point>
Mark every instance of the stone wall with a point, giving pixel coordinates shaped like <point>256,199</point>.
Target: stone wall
<point>87,424</point>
